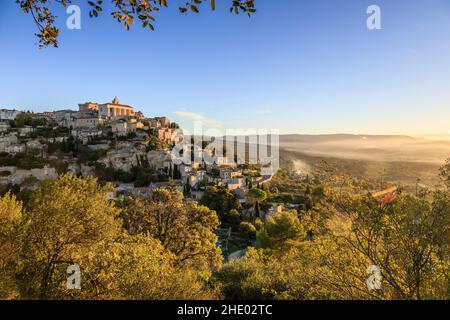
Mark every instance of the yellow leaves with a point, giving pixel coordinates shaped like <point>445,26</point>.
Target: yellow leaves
<point>68,217</point>
<point>71,221</point>
<point>138,267</point>
<point>10,214</point>
<point>184,228</point>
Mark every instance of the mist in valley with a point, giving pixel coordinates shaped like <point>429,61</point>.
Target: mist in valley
<point>388,159</point>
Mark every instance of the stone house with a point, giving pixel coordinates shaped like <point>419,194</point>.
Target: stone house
<point>236,183</point>
<point>85,133</point>
<point>14,149</point>
<point>165,134</point>
<point>195,177</point>
<point>164,121</point>
<point>85,120</point>
<point>120,128</point>
<point>65,117</point>
<point>6,114</point>
<point>88,106</point>
<point>227,173</point>
<point>10,144</point>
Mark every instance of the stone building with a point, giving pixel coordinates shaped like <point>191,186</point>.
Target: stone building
<point>86,120</point>
<point>120,127</point>
<point>165,122</point>
<point>115,109</point>
<point>226,172</point>
<point>165,135</point>
<point>88,106</point>
<point>159,122</point>
<point>84,134</point>
<point>6,114</point>
<point>65,117</point>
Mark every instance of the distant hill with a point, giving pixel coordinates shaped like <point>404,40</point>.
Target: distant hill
<point>342,137</point>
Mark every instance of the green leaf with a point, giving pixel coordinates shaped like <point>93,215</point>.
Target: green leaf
<point>194,9</point>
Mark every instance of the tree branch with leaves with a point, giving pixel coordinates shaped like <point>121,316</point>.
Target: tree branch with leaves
<point>126,12</point>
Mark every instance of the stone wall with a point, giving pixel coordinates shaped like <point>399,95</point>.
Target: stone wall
<point>18,176</point>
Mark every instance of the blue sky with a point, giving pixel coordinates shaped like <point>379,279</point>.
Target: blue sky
<point>298,66</point>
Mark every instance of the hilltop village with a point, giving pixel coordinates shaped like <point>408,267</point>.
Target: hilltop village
<point>111,141</point>
<point>115,143</point>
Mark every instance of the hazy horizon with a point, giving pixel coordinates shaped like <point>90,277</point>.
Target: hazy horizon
<point>214,124</point>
